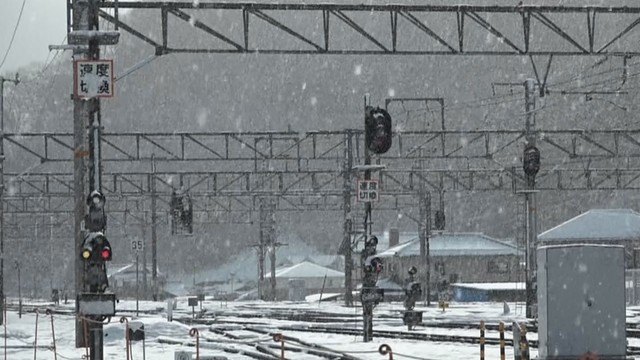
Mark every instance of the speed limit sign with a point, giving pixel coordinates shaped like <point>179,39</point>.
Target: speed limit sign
<point>137,245</point>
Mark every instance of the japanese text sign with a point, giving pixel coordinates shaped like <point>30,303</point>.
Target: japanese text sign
<point>93,78</point>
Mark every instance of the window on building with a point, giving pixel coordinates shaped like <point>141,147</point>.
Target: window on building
<point>498,267</point>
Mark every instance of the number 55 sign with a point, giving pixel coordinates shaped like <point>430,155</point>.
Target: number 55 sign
<point>367,190</point>
<point>137,245</point>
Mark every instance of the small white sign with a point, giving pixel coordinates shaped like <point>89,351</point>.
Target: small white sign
<point>137,245</point>
<point>93,78</point>
<point>367,190</point>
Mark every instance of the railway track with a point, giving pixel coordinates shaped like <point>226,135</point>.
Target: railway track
<point>388,334</point>
<point>263,346</point>
<point>339,318</point>
<point>631,350</point>
<point>326,323</point>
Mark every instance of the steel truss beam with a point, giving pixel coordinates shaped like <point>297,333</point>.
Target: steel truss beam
<point>305,171</point>
<point>321,150</point>
<point>238,191</point>
<point>383,29</point>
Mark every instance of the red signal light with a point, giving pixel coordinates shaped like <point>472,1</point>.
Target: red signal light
<point>106,254</point>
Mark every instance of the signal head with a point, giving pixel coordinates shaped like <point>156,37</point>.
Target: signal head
<point>378,132</point>
<point>96,199</point>
<point>531,160</point>
<point>372,241</point>
<point>96,247</point>
<point>374,265</point>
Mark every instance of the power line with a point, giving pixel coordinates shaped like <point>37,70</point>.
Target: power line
<point>583,77</point>
<point>13,36</point>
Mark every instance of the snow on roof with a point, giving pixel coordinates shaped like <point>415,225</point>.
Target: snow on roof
<point>597,225</point>
<point>305,269</point>
<point>453,244</point>
<point>492,286</point>
<point>121,269</point>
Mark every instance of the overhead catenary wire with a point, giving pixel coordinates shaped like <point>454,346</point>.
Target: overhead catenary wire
<point>13,36</point>
<point>616,78</point>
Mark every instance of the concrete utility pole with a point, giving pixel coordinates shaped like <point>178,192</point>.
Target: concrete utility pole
<point>154,234</point>
<point>85,39</point>
<point>84,19</point>
<point>269,244</point>
<point>16,80</point>
<point>424,232</point>
<point>348,222</point>
<point>145,286</point>
<point>367,306</point>
<point>261,248</point>
<point>530,200</point>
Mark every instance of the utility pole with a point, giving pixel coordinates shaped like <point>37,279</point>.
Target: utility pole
<point>268,243</point>
<point>145,286</point>
<point>378,137</point>
<point>84,19</point>
<point>154,238</point>
<point>272,253</point>
<point>94,78</point>
<point>261,248</point>
<point>531,165</point>
<point>367,306</point>
<point>15,81</point>
<point>348,222</point>
<point>424,230</point>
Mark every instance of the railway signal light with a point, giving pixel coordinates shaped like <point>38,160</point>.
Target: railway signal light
<point>377,125</point>
<point>369,247</point>
<point>413,292</point>
<point>374,265</point>
<point>96,218</point>
<point>96,248</point>
<point>531,160</point>
<point>181,213</point>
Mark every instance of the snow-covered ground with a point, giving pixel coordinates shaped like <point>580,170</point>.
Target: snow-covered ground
<point>164,338</point>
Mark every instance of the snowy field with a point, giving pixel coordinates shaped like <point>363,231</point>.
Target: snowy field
<point>223,329</point>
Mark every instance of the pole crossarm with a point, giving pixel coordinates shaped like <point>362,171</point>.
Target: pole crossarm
<point>321,150</point>
<point>383,29</point>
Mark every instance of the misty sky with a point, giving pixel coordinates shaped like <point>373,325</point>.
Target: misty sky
<point>43,23</point>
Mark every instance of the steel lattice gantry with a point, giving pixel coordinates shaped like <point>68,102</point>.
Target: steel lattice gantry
<point>305,171</point>
<point>382,29</point>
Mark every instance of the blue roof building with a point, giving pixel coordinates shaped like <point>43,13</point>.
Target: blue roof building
<point>453,244</point>
<point>597,225</point>
<point>454,258</point>
<point>600,226</point>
